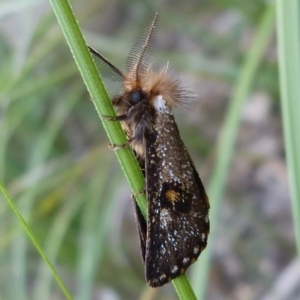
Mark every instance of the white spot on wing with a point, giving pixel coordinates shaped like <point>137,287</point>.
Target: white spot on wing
<point>174,269</point>
<point>186,260</point>
<point>162,277</point>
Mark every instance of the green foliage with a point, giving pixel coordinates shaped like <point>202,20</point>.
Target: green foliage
<point>288,33</point>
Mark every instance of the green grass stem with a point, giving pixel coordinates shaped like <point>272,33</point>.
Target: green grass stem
<point>288,37</point>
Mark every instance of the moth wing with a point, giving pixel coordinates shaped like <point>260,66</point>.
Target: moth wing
<point>178,206</point>
<point>142,228</point>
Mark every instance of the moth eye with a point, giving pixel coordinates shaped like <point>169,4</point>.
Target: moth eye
<point>136,97</point>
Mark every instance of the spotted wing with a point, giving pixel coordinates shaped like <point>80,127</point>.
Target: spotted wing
<point>142,228</point>
<point>178,206</point>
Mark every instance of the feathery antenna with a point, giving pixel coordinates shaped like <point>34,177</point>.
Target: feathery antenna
<point>140,56</point>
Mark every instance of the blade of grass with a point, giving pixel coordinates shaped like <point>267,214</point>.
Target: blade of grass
<point>227,140</point>
<point>95,223</point>
<point>57,232</point>
<point>288,34</point>
<point>42,146</point>
<point>35,242</point>
<point>104,106</point>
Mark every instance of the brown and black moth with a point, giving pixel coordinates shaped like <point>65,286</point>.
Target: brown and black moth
<point>177,223</point>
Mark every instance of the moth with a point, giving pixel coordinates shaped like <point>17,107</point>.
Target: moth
<point>177,223</point>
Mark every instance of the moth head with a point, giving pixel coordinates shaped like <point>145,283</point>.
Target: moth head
<point>134,97</point>
<point>140,82</point>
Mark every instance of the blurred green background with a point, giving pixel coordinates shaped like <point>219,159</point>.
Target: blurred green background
<point>68,186</point>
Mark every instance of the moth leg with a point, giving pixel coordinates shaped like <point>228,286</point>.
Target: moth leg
<point>117,118</point>
<point>142,192</point>
<point>118,147</point>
